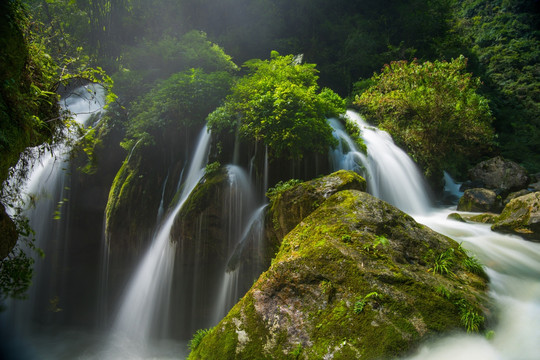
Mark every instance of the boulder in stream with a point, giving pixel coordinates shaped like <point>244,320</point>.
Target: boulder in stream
<point>500,175</point>
<point>356,278</point>
<point>521,216</point>
<point>480,200</point>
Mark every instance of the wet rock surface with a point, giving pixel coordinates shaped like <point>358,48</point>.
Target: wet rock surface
<point>356,278</point>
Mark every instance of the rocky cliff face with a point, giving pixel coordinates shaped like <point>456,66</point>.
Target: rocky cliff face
<point>356,278</point>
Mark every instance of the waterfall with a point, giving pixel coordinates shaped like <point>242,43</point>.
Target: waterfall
<point>513,267</point>
<point>47,189</point>
<point>512,264</point>
<point>390,173</point>
<point>235,275</point>
<point>146,302</point>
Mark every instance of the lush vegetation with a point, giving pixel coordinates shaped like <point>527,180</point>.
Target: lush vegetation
<point>434,110</point>
<point>280,105</point>
<point>170,72</point>
<point>29,117</point>
<point>503,38</point>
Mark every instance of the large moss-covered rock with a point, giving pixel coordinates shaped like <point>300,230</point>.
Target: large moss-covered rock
<point>289,207</point>
<point>356,279</point>
<point>480,200</point>
<point>500,174</point>
<point>134,200</point>
<point>521,216</point>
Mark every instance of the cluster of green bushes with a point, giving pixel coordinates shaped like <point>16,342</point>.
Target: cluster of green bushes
<point>279,104</point>
<point>432,109</point>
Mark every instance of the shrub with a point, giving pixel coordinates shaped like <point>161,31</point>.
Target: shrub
<point>433,110</point>
<point>279,104</point>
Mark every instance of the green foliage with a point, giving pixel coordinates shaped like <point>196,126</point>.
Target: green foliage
<point>15,275</point>
<point>182,100</point>
<point>356,134</point>
<point>297,351</point>
<point>360,304</point>
<point>470,319</point>
<point>281,186</point>
<point>471,262</point>
<point>212,168</point>
<point>279,104</point>
<point>373,247</point>
<point>197,338</point>
<point>443,262</point>
<point>503,37</point>
<point>149,61</point>
<point>433,110</point>
<point>443,291</point>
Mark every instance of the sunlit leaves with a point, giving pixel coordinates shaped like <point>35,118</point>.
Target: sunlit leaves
<point>279,104</point>
<point>431,108</point>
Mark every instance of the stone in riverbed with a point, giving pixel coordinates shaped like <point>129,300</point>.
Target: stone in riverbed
<point>354,279</point>
<point>521,216</point>
<point>479,200</point>
<point>500,175</point>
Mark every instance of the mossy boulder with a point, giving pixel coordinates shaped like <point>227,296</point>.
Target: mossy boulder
<point>455,217</point>
<point>200,226</point>
<point>356,279</point>
<point>485,218</point>
<point>516,194</point>
<point>289,207</point>
<point>521,216</point>
<point>134,199</point>
<point>480,200</point>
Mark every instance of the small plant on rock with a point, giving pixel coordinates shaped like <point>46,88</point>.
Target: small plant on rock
<point>360,304</point>
<point>443,263</point>
<point>197,338</point>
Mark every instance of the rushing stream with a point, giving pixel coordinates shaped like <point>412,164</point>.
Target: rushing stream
<point>157,295</point>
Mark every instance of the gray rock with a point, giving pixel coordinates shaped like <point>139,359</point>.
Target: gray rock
<point>480,200</point>
<point>501,175</point>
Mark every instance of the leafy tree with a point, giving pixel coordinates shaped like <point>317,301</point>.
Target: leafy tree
<point>182,100</point>
<point>503,37</point>
<point>433,109</point>
<point>142,65</point>
<point>279,104</point>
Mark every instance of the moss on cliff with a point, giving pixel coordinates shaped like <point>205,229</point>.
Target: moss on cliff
<point>354,279</point>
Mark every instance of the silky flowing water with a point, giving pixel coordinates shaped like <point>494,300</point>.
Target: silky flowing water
<point>139,330</point>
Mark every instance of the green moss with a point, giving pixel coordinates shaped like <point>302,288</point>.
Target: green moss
<point>310,296</point>
<point>204,193</point>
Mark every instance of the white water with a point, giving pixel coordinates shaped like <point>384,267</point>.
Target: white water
<point>231,290</point>
<point>513,264</point>
<point>146,303</point>
<point>390,174</point>
<point>46,196</point>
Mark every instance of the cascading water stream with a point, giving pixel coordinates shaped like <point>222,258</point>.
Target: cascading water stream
<point>145,304</point>
<point>513,264</point>
<point>47,189</point>
<point>390,174</point>
<point>231,284</point>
